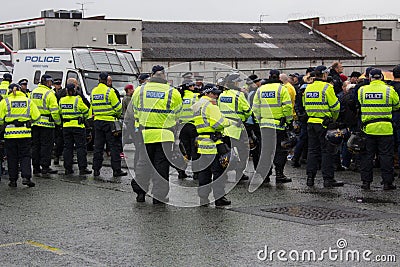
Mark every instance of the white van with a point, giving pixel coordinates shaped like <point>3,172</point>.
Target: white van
<point>81,63</point>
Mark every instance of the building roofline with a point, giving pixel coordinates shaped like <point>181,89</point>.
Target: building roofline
<point>341,21</point>
<point>332,40</point>
<point>93,18</point>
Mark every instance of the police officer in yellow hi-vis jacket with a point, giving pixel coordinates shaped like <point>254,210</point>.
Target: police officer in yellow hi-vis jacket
<point>5,83</point>
<point>43,130</point>
<point>18,112</point>
<point>210,124</point>
<point>234,106</point>
<point>73,113</point>
<point>106,109</point>
<point>322,108</point>
<point>377,101</point>
<point>157,106</point>
<point>273,110</point>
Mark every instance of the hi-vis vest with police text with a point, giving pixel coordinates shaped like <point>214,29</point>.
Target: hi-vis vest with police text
<point>234,106</point>
<point>4,88</point>
<point>157,107</point>
<point>46,101</point>
<point>72,108</point>
<point>188,99</point>
<point>377,101</point>
<point>208,119</point>
<point>18,109</point>
<point>104,103</point>
<point>271,104</point>
<point>320,101</point>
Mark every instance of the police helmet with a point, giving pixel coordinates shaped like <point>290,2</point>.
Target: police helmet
<point>336,136</point>
<point>187,83</point>
<point>356,143</point>
<point>211,88</point>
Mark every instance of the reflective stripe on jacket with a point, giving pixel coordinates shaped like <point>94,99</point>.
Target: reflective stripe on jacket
<point>157,107</point>
<point>46,102</point>
<point>72,108</point>
<point>18,109</point>
<point>377,101</point>
<point>208,119</point>
<point>320,101</point>
<point>189,98</point>
<point>104,103</point>
<point>233,105</point>
<point>271,104</point>
<point>4,88</point>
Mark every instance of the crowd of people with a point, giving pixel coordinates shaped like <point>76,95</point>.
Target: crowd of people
<point>323,119</point>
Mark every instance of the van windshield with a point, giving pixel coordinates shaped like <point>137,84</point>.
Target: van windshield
<point>91,80</point>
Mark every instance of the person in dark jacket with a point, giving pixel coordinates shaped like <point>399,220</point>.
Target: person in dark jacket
<point>336,70</point>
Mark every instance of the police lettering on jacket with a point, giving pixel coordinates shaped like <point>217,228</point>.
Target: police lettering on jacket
<point>374,96</point>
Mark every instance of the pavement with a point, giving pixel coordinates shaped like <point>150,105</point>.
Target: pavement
<point>82,221</point>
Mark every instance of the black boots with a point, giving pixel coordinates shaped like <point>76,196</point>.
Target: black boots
<point>281,178</point>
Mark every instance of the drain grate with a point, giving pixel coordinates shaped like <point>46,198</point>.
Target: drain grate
<point>315,213</point>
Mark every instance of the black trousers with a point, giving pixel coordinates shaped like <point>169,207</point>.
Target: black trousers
<point>104,135</point>
<point>74,136</point>
<point>271,153</point>
<point>254,129</point>
<point>18,154</point>
<point>188,136</point>
<point>383,145</point>
<point>42,146</point>
<point>59,140</point>
<point>242,147</point>
<point>152,165</point>
<point>213,173</point>
<point>319,150</point>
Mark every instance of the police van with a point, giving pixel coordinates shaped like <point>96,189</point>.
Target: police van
<point>81,63</point>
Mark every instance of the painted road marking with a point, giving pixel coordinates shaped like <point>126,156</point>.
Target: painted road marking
<point>35,244</point>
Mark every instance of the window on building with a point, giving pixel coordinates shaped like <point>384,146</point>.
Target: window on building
<point>384,35</point>
<point>27,38</point>
<point>117,39</point>
<point>7,38</point>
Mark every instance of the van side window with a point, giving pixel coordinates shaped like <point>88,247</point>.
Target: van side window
<point>55,74</point>
<point>36,78</point>
<point>73,74</point>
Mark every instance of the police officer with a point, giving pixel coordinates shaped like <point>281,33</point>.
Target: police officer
<point>322,107</point>
<point>157,106</point>
<point>188,132</point>
<point>5,83</point>
<point>273,109</point>
<point>73,113</point>
<point>234,106</point>
<point>377,101</point>
<point>106,109</point>
<point>58,131</point>
<point>24,87</point>
<point>17,112</point>
<point>143,78</point>
<point>252,126</point>
<point>43,130</point>
<point>210,124</point>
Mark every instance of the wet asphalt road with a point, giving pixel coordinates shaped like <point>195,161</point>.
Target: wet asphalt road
<point>80,221</point>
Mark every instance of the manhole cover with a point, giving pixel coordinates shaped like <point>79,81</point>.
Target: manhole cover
<point>315,213</point>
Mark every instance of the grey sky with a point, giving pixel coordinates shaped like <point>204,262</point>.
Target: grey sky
<point>208,10</point>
